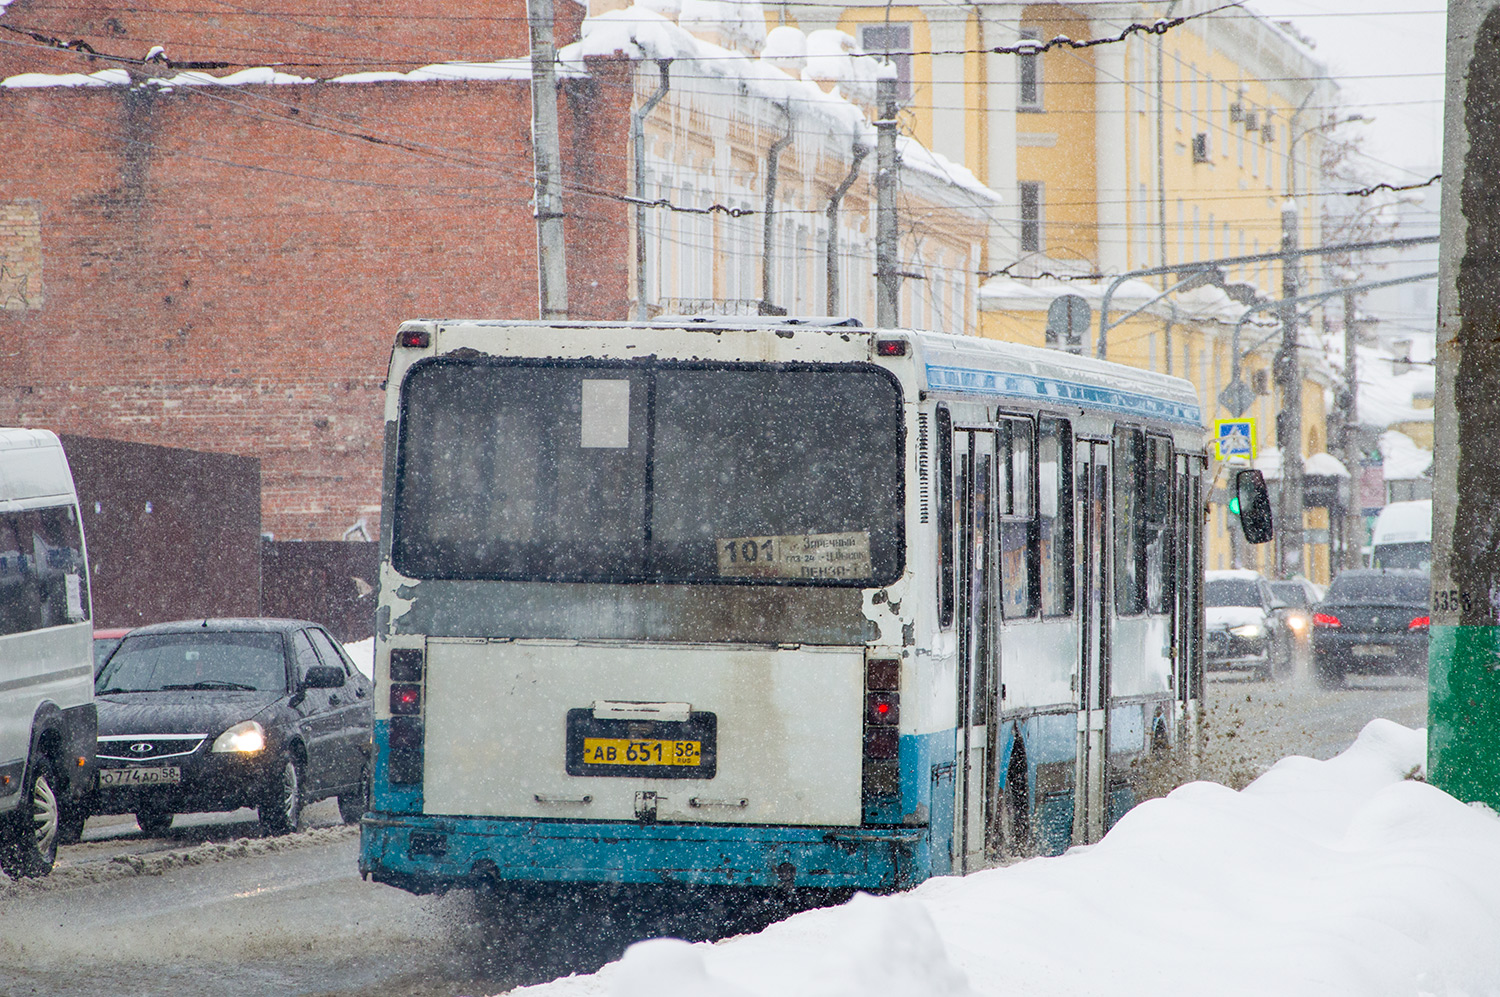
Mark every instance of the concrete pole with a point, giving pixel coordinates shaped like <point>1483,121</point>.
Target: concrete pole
<point>1289,422</point>
<point>1463,740</point>
<point>1354,519</point>
<point>887,244</point>
<point>552,261</point>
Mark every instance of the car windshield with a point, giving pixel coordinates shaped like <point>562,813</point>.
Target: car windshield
<point>1291,593</point>
<point>1231,592</point>
<point>1397,590</point>
<point>229,661</point>
<point>102,647</point>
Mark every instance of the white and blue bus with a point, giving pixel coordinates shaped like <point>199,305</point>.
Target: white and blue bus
<point>769,603</point>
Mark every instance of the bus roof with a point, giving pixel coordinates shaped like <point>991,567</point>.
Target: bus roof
<point>949,364</point>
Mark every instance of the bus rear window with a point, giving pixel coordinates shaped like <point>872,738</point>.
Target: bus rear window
<point>637,472</point>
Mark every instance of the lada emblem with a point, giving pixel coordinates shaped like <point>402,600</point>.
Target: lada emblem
<point>141,748</point>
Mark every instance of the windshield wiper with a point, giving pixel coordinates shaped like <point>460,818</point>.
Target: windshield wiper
<point>213,684</point>
<point>116,692</point>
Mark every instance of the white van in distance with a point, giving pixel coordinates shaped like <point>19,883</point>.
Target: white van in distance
<point>1402,536</point>
<point>48,723</point>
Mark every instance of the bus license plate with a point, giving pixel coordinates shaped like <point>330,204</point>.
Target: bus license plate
<point>159,775</point>
<point>623,751</point>
<point>642,749</point>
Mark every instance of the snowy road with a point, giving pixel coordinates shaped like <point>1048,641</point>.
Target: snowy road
<point>215,909</point>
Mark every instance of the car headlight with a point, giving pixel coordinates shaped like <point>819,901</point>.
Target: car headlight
<point>246,738</point>
<point>1248,630</point>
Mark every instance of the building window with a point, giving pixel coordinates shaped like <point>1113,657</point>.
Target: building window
<point>1200,147</point>
<point>1031,216</point>
<point>1029,76</point>
<point>893,42</point>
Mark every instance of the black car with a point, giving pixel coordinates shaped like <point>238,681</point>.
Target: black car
<point>214,715</point>
<point>1373,621</point>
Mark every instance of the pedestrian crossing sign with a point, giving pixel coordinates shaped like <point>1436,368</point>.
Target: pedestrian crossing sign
<point>1235,438</point>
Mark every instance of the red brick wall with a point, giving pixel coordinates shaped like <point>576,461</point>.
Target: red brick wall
<point>224,270</point>
<point>320,40</point>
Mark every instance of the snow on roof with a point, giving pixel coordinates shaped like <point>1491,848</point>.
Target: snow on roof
<point>1325,465</point>
<point>1346,876</point>
<point>786,48</point>
<point>505,69</point>
<point>742,22</point>
<point>639,33</point>
<point>1385,395</point>
<point>1204,304</point>
<point>1401,458</point>
<point>835,57</point>
<point>916,156</point>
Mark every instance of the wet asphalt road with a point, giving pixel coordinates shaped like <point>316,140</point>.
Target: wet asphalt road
<point>215,909</point>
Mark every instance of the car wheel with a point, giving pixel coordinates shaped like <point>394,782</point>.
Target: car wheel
<point>352,806</point>
<point>154,823</point>
<point>281,807</point>
<point>28,846</point>
<point>1329,676</point>
<point>70,824</point>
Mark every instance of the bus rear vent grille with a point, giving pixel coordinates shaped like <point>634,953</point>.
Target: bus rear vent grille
<point>922,476</point>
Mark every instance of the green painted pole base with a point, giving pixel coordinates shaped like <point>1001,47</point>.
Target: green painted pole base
<point>1463,713</point>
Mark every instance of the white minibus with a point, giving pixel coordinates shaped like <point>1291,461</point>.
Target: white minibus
<point>47,718</point>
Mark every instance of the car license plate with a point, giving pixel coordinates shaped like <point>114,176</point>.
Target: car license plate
<point>1373,650</point>
<point>156,775</point>
<point>623,751</point>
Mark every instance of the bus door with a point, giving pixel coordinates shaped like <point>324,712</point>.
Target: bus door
<point>974,473</point>
<point>1091,483</point>
<point>1187,635</point>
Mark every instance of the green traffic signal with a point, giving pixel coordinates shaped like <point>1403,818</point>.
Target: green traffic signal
<point>1234,505</point>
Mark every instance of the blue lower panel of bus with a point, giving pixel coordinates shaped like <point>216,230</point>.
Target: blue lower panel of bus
<point>426,853</point>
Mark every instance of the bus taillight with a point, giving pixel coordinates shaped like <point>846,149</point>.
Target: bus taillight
<point>407,735</point>
<point>406,699</point>
<point>882,741</point>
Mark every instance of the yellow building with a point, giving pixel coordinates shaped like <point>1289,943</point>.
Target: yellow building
<point>1156,150</point>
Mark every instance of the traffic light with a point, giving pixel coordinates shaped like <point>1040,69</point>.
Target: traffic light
<point>1234,505</point>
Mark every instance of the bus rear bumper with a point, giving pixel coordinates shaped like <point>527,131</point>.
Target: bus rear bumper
<point>425,854</point>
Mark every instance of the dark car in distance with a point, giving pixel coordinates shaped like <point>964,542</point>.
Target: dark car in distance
<point>214,715</point>
<point>1372,621</point>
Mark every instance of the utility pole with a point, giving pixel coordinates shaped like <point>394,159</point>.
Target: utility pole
<point>552,261</point>
<point>1349,453</point>
<point>1289,422</point>
<point>1463,711</point>
<point>887,272</point>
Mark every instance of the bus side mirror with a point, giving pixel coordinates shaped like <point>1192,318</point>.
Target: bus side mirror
<point>1254,506</point>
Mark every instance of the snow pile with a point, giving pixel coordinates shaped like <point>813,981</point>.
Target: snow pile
<point>741,24</point>
<point>1344,877</point>
<point>835,58</point>
<point>1401,458</point>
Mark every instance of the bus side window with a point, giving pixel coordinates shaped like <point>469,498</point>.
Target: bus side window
<point>1018,589</point>
<point>945,516</point>
<point>1055,516</point>
<point>1129,458</point>
<point>1156,533</point>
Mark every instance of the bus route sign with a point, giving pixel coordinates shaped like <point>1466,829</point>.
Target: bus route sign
<point>1235,438</point>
